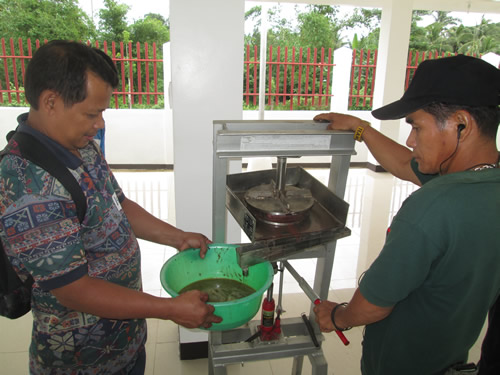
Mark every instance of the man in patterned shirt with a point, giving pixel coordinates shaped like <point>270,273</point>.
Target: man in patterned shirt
<point>87,301</point>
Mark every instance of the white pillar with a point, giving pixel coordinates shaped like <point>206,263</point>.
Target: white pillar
<point>207,75</point>
<point>207,84</point>
<point>392,57</point>
<point>342,58</point>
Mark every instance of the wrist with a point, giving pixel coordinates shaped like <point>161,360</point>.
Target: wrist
<point>360,129</point>
<point>336,325</point>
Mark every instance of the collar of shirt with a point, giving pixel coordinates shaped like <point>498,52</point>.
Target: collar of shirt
<point>63,154</point>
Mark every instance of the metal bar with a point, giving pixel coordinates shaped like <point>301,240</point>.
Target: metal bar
<point>278,68</point>
<point>315,56</point>
<point>139,78</point>
<point>146,53</point>
<point>329,75</point>
<point>130,73</point>
<point>298,362</point>
<point>269,76</point>
<point>299,83</point>
<point>155,70</point>
<point>321,75</point>
<point>123,71</point>
<point>281,174</point>
<point>351,85</point>
<point>293,78</point>
<point>6,71</point>
<point>285,91</point>
<point>256,63</point>
<point>306,89</point>
<point>247,80</point>
<point>309,292</point>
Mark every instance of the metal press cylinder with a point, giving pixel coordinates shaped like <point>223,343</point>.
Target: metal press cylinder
<point>281,174</point>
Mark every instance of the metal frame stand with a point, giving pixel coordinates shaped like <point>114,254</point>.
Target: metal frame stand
<point>238,139</point>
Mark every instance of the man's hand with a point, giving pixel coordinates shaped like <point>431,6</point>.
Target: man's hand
<point>323,313</point>
<point>340,121</point>
<point>190,310</point>
<point>190,240</point>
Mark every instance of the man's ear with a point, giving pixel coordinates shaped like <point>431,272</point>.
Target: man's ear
<point>48,101</point>
<point>464,123</point>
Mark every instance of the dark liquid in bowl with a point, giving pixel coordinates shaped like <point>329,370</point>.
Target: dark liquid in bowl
<point>220,290</point>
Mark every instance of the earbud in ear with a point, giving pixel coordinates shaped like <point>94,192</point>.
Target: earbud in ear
<point>460,127</point>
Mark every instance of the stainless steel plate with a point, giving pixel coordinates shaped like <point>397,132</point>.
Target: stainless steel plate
<point>279,207</point>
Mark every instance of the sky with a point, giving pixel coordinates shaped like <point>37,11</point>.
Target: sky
<point>138,8</point>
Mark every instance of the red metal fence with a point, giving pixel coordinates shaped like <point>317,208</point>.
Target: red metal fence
<point>296,78</point>
<point>364,64</point>
<point>139,67</point>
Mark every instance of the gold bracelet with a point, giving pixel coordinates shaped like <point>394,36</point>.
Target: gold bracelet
<point>358,133</point>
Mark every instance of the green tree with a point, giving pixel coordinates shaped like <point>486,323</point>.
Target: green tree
<point>369,21</point>
<point>45,19</point>
<point>152,28</point>
<point>480,39</point>
<point>317,30</point>
<point>112,24</point>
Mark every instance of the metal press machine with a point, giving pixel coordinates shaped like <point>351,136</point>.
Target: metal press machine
<point>287,214</point>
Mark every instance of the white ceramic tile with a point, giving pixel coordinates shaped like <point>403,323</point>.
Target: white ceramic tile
<point>14,363</point>
<point>15,334</point>
<point>168,332</point>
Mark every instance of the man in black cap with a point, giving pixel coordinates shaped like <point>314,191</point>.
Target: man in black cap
<point>425,298</point>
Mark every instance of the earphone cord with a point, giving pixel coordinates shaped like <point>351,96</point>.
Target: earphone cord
<point>449,157</point>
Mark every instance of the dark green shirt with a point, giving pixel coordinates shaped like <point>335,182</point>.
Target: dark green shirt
<point>439,268</point>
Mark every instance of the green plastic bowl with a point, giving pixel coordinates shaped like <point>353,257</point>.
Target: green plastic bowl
<point>187,267</point>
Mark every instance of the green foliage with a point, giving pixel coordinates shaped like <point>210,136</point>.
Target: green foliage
<point>317,31</point>
<point>14,102</point>
<point>44,19</point>
<point>63,19</point>
<point>150,29</point>
<point>318,26</point>
<point>112,24</point>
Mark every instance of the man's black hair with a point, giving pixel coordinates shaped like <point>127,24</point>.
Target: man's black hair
<point>62,66</point>
<point>486,117</point>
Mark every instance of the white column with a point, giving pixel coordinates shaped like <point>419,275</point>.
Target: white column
<point>391,61</point>
<point>207,74</point>
<point>342,58</point>
<point>207,84</point>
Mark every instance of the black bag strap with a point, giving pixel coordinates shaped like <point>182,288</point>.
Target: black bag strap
<point>35,151</point>
<point>15,294</point>
<point>9,278</point>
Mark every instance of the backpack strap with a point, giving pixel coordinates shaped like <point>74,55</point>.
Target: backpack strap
<point>15,295</point>
<point>35,151</point>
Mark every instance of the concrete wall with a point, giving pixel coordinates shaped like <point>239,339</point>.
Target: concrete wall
<point>133,136</point>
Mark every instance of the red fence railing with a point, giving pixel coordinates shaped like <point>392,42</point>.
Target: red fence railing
<point>138,65</point>
<point>364,64</point>
<point>296,78</point>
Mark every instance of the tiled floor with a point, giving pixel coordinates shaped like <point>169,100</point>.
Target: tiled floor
<point>373,199</point>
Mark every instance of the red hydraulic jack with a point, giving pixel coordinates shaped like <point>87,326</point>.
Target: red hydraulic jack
<point>269,329</point>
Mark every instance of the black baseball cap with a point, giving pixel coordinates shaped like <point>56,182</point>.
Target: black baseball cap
<point>462,80</point>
